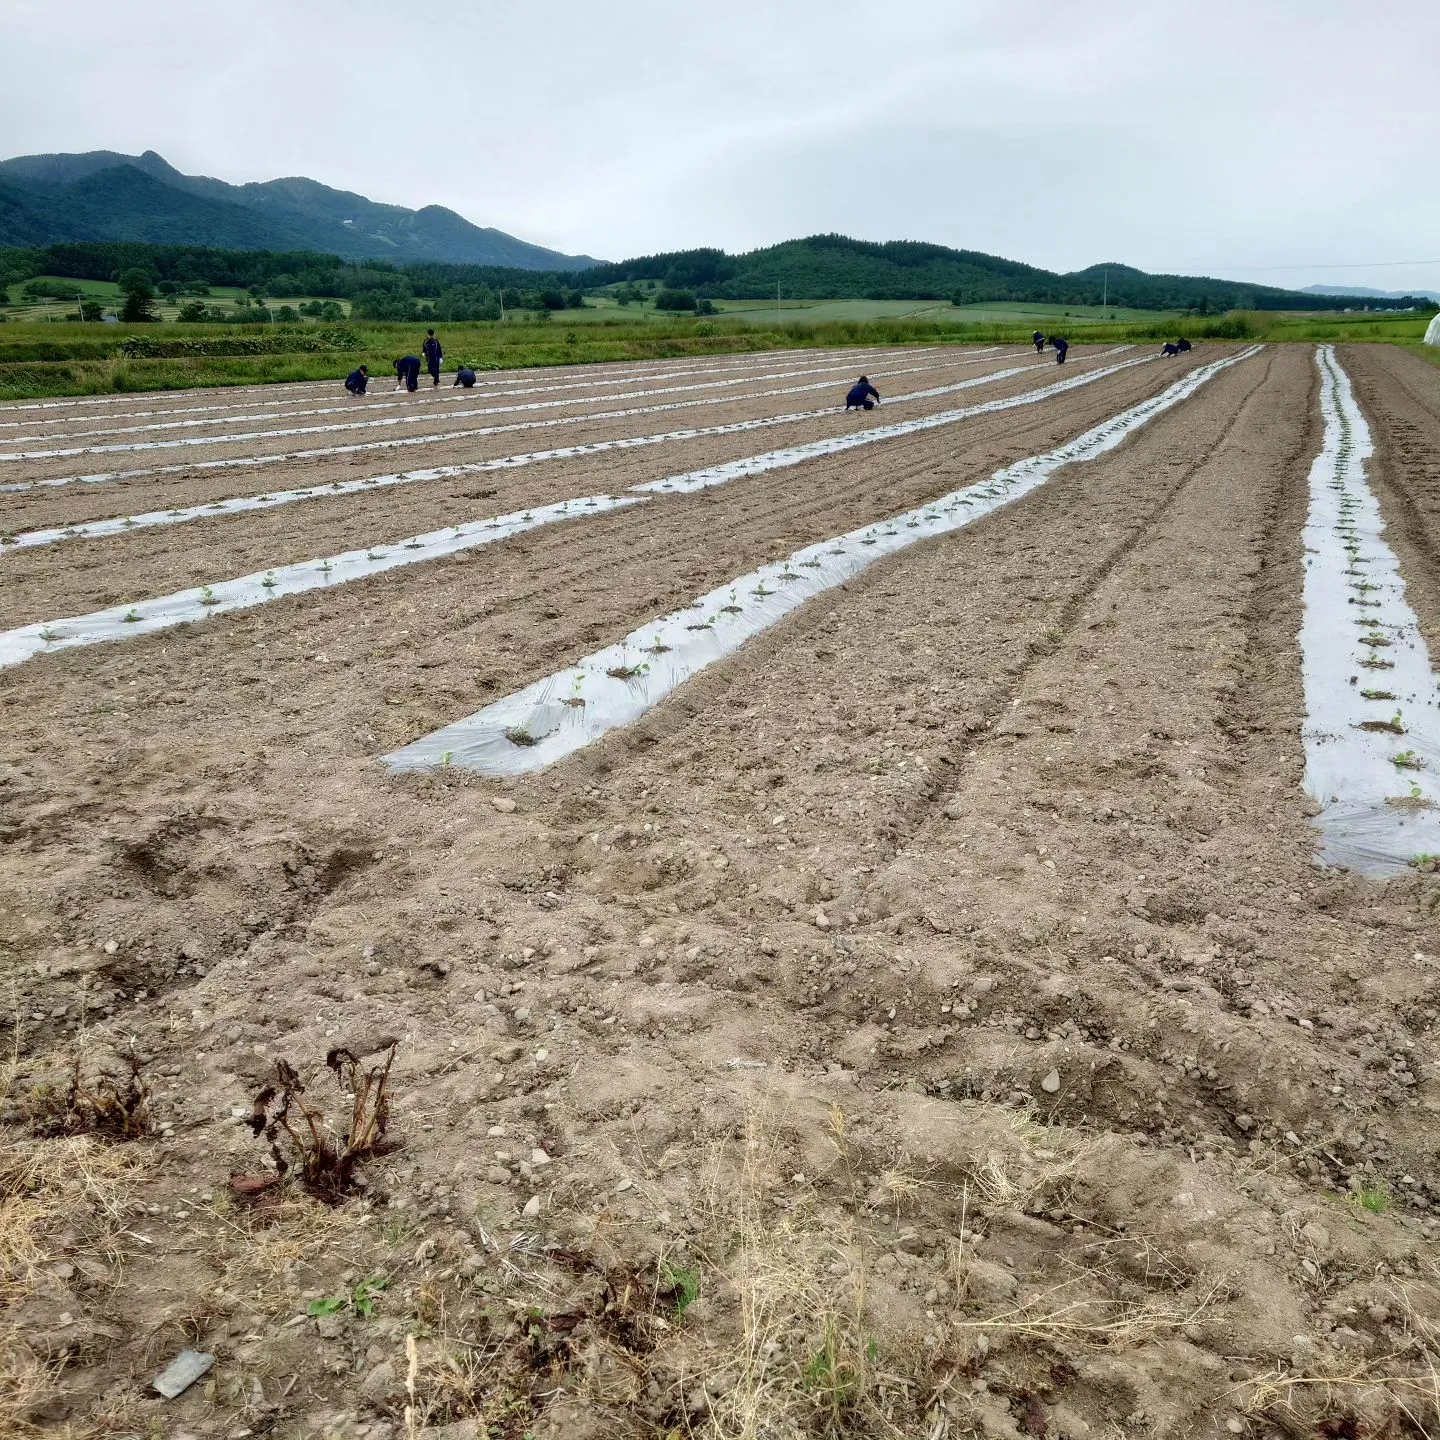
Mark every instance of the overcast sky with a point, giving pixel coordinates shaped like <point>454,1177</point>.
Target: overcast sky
<point>1284,141</point>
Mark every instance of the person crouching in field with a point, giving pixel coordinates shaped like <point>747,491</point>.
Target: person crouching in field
<point>863,395</point>
<point>357,380</point>
<point>433,355</point>
<point>1062,346</point>
<point>407,372</point>
<point>1038,339</point>
<point>464,376</point>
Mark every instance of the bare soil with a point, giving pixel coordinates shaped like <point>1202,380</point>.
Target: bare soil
<point>930,1021</point>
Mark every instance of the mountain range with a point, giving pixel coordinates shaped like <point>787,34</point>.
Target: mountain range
<point>1361,292</point>
<point>102,195</point>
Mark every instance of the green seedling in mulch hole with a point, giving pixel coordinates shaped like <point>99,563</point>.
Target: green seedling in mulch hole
<point>732,608</point>
<point>321,1156</point>
<point>128,522</point>
<point>519,735</point>
<point>325,567</point>
<point>70,532</point>
<point>1428,864</point>
<point>761,592</point>
<point>447,757</point>
<point>869,542</point>
<point>174,512</point>
<point>361,1299</point>
<point>258,497</point>
<point>627,672</point>
<point>838,550</point>
<point>8,540</point>
<point>1377,694</point>
<point>1389,727</point>
<point>1407,760</point>
<point>269,582</point>
<point>575,698</point>
<point>682,1283</point>
<point>413,545</point>
<point>374,554</point>
<point>1373,664</point>
<point>1374,640</point>
<point>912,524</point>
<point>658,648</point>
<point>207,596</point>
<point>48,635</point>
<point>527,516</point>
<point>788,575</point>
<point>811,564</point>
<point>216,505</point>
<point>702,625</point>
<point>132,616</point>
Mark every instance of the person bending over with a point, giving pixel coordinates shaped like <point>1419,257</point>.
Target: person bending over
<point>1038,340</point>
<point>407,372</point>
<point>863,395</point>
<point>357,380</point>
<point>1182,345</point>
<point>1062,346</point>
<point>433,355</point>
<point>465,376</point>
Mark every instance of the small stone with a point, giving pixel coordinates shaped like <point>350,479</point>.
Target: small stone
<point>822,920</point>
<point>624,1185</point>
<point>532,1207</point>
<point>504,806</point>
<point>1234,1426</point>
<point>497,1175</point>
<point>1051,1083</point>
<point>111,946</point>
<point>382,1383</point>
<point>542,1055</point>
<point>539,1157</point>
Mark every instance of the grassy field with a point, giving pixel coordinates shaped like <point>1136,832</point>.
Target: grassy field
<point>73,359</point>
<point>48,311</point>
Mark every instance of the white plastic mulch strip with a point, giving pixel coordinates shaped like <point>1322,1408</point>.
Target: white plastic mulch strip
<point>797,454</point>
<point>358,406</point>
<point>613,687</point>
<point>122,622</point>
<point>1372,731</point>
<point>488,382</point>
<point>248,462</point>
<point>235,505</point>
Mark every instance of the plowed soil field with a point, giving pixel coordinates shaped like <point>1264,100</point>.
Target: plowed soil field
<point>931,1020</point>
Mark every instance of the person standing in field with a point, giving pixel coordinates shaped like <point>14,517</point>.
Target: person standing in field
<point>1038,339</point>
<point>407,372</point>
<point>357,380</point>
<point>863,395</point>
<point>433,355</point>
<point>464,376</point>
<point>1062,345</point>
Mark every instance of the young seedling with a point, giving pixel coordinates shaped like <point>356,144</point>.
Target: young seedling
<point>1377,694</point>
<point>269,582</point>
<point>762,592</point>
<point>1373,1195</point>
<point>361,1299</point>
<point>447,757</point>
<point>575,699</point>
<point>519,735</point>
<point>48,635</point>
<point>627,672</point>
<point>374,554</point>
<point>732,608</point>
<point>132,616</point>
<point>1426,863</point>
<point>325,567</point>
<point>1407,760</point>
<point>413,545</point>
<point>207,596</point>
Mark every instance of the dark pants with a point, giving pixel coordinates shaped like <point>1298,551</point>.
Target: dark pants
<point>356,389</point>
<point>435,371</point>
<point>862,405</point>
<point>1060,357</point>
<point>410,374</point>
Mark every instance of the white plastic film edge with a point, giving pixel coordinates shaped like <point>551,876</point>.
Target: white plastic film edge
<point>122,622</point>
<point>614,687</point>
<point>188,605</point>
<point>234,505</point>
<point>1365,662</point>
<point>404,442</point>
<point>447,394</point>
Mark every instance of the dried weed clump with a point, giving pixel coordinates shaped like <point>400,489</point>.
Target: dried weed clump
<point>324,1157</point>
<point>112,1104</point>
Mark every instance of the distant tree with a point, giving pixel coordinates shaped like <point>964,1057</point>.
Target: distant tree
<point>287,315</point>
<point>552,299</point>
<point>256,292</point>
<point>574,300</point>
<point>91,310</point>
<point>135,276</point>
<point>332,310</point>
<point>468,302</point>
<point>705,307</point>
<point>169,287</point>
<point>676,300</point>
<point>193,312</point>
<point>4,297</point>
<point>139,298</point>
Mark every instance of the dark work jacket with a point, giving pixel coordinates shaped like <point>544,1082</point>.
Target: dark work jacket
<point>859,394</point>
<point>465,376</point>
<point>356,381</point>
<point>433,352</point>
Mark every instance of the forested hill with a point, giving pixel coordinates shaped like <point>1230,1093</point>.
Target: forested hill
<point>103,196</point>
<point>834,267</point>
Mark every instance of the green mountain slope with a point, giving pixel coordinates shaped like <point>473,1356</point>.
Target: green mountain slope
<point>103,195</point>
<point>835,267</point>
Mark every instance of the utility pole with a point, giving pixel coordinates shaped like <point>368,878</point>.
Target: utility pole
<point>777,304</point>
<point>502,304</point>
<point>1105,303</point>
